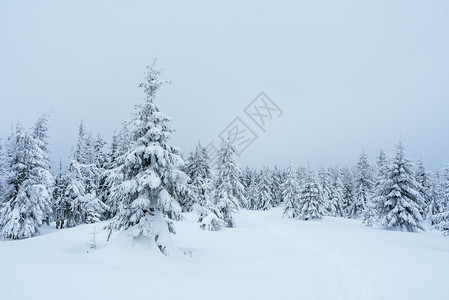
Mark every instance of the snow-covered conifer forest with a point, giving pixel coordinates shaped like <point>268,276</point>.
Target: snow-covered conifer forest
<point>141,208</point>
<point>221,150</point>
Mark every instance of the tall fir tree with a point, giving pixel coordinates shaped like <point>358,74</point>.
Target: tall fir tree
<point>302,174</point>
<point>324,184</point>
<point>252,191</point>
<point>60,206</point>
<point>246,180</point>
<point>276,187</point>
<point>119,146</point>
<point>200,197</point>
<point>80,201</point>
<point>398,201</point>
<point>68,203</point>
<point>440,217</point>
<point>370,216</point>
<point>310,203</point>
<point>437,200</point>
<point>148,179</point>
<point>229,191</point>
<point>199,172</point>
<point>40,135</point>
<point>11,179</point>
<point>264,189</point>
<point>101,161</point>
<point>348,190</point>
<point>3,173</point>
<point>336,195</point>
<point>363,185</point>
<point>423,178</point>
<point>290,189</point>
<point>28,201</point>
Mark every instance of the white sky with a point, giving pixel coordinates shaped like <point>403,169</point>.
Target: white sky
<point>348,75</point>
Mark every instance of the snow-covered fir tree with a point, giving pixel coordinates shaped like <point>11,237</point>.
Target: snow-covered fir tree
<point>382,168</point>
<point>10,178</point>
<point>348,190</point>
<point>310,202</point>
<point>59,203</point>
<point>94,178</point>
<point>437,199</point>
<point>363,185</point>
<point>276,186</point>
<point>301,173</point>
<point>210,218</point>
<point>325,186</point>
<point>229,191</point>
<point>264,189</point>
<point>119,146</point>
<point>114,148</point>
<point>370,216</point>
<point>336,193</point>
<point>252,191</point>
<point>68,199</point>
<point>440,216</point>
<point>40,134</point>
<point>80,202</point>
<point>3,172</point>
<point>101,160</point>
<point>200,197</point>
<point>290,188</point>
<point>28,200</point>
<point>148,179</point>
<point>441,222</point>
<point>247,181</point>
<point>246,177</point>
<point>398,201</point>
<point>424,179</point>
<point>198,169</point>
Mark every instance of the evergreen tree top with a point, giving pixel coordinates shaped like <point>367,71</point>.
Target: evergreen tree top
<point>152,81</point>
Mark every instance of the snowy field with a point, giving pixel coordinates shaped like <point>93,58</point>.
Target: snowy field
<point>265,257</point>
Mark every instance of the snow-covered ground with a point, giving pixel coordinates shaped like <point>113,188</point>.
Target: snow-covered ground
<point>265,257</point>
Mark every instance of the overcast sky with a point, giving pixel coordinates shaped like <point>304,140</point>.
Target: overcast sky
<point>347,75</point>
